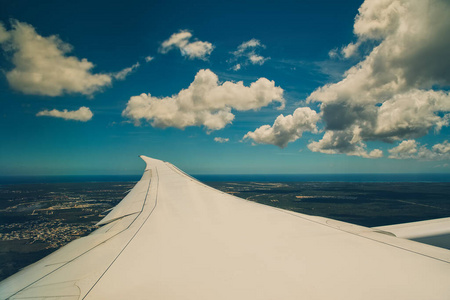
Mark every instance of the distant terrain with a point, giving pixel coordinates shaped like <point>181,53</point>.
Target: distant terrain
<point>37,219</point>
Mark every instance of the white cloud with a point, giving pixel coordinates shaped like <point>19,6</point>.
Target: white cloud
<point>4,34</point>
<point>149,58</point>
<point>350,50</point>
<point>286,129</point>
<point>394,92</point>
<point>42,67</point>
<point>253,43</point>
<point>339,142</point>
<point>412,114</point>
<point>176,40</point>
<point>257,59</point>
<point>83,114</point>
<point>410,54</point>
<point>221,140</point>
<point>375,153</point>
<point>246,54</point>
<point>192,50</point>
<point>442,149</point>
<point>406,149</point>
<point>197,50</point>
<point>204,103</point>
<point>442,166</point>
<point>333,53</point>
<point>410,149</point>
<point>125,72</point>
<point>397,91</point>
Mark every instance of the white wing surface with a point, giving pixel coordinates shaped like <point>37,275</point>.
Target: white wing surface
<point>175,238</point>
<point>433,232</point>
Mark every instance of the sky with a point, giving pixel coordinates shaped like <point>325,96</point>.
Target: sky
<point>225,87</point>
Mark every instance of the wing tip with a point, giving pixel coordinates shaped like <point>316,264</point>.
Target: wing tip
<point>149,161</point>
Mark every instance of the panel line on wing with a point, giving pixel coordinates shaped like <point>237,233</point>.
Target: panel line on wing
<point>308,219</point>
<point>357,234</point>
<point>134,235</point>
<point>121,217</point>
<point>90,249</point>
<point>176,169</point>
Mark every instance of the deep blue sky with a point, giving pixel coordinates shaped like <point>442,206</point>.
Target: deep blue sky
<point>299,45</point>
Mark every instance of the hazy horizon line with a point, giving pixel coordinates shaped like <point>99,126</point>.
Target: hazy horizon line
<point>299,177</point>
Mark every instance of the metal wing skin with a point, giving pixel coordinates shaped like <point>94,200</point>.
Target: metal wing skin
<point>172,237</point>
<point>432,232</point>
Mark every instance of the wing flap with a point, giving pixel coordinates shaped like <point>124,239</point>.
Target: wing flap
<point>432,232</point>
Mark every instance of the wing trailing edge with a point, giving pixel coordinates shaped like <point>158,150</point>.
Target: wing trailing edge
<point>432,232</point>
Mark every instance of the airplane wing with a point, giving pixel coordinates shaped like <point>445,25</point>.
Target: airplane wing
<point>432,232</point>
<point>173,237</point>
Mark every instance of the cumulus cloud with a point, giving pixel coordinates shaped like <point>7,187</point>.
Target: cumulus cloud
<point>412,114</point>
<point>176,40</point>
<point>339,142</point>
<point>411,149</point>
<point>221,140</point>
<point>406,149</point>
<point>83,114</point>
<point>350,50</point>
<point>410,53</point>
<point>205,102</point>
<point>149,58</point>
<point>4,34</point>
<point>192,50</point>
<point>42,66</point>
<point>398,90</point>
<point>286,129</point>
<point>246,54</point>
<point>257,59</point>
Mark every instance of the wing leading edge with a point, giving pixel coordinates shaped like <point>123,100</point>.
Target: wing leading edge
<point>172,237</point>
